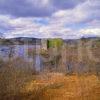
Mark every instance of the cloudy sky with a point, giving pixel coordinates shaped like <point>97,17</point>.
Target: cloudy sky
<point>49,18</point>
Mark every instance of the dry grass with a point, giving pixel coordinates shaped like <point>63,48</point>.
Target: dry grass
<point>22,85</point>
<point>55,86</point>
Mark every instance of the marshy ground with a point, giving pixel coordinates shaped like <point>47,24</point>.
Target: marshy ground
<point>55,86</point>
<point>64,77</point>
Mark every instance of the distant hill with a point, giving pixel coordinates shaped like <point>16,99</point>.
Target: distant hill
<point>20,41</point>
<point>28,40</point>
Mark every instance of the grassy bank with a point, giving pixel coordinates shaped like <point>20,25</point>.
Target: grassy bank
<point>48,86</point>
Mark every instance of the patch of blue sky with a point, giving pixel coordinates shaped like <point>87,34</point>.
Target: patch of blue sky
<point>1,30</point>
<point>41,21</point>
<point>76,26</point>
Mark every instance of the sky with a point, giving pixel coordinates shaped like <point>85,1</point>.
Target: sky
<point>49,18</point>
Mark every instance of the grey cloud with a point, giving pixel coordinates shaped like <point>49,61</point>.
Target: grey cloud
<point>66,4</point>
<point>22,8</point>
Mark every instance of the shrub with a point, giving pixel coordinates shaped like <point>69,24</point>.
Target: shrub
<point>13,78</point>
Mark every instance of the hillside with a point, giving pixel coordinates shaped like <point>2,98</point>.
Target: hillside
<point>20,40</point>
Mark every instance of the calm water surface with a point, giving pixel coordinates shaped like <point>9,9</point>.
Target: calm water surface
<point>20,51</point>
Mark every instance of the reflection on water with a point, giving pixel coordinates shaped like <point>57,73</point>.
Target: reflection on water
<point>15,51</point>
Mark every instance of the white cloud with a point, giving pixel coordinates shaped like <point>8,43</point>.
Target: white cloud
<point>91,31</point>
<point>27,27</point>
<point>56,26</point>
<point>75,15</point>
